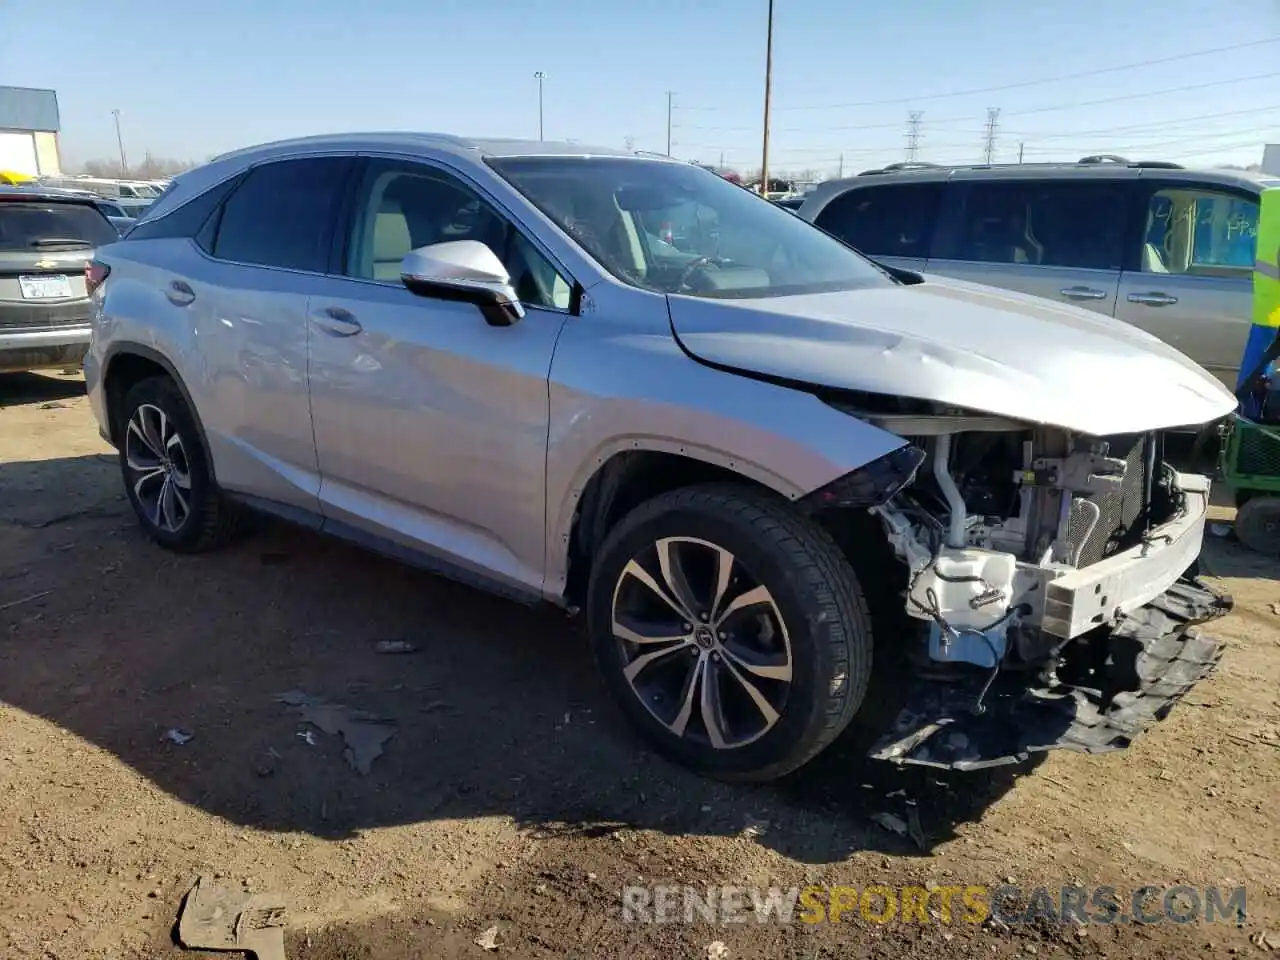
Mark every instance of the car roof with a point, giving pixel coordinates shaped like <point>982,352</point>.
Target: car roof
<point>403,140</point>
<point>46,193</point>
<point>1088,168</point>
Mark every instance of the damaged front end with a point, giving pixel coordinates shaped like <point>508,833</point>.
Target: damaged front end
<point>1049,574</point>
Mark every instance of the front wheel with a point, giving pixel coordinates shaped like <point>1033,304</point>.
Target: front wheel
<point>731,630</point>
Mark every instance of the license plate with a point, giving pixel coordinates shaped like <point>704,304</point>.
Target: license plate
<point>45,288</point>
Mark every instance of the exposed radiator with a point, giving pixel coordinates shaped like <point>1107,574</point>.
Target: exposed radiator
<point>1120,511</point>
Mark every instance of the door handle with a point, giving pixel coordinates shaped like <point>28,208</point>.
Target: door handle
<point>1153,299</point>
<point>180,293</point>
<point>336,322</point>
<point>1083,293</point>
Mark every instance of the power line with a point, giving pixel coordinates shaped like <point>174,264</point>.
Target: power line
<point>1152,93</point>
<point>1129,128</point>
<point>1041,81</point>
<point>913,133</point>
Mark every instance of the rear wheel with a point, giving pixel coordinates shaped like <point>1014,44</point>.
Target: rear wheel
<point>166,471</point>
<point>731,630</point>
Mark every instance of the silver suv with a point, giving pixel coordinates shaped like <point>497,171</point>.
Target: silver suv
<point>626,385</point>
<point>1164,248</point>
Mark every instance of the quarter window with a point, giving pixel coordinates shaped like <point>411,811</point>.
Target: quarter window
<point>400,207</point>
<point>281,214</point>
<point>1050,224</point>
<point>1200,232</point>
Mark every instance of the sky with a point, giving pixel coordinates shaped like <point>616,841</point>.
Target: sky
<point>1069,78</point>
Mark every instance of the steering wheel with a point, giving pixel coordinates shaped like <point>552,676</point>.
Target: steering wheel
<point>695,265</point>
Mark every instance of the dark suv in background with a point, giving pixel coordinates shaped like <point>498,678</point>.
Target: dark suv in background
<point>47,239</point>
<point>1167,249</point>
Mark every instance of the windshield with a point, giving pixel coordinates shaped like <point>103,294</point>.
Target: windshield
<point>37,224</point>
<point>676,228</point>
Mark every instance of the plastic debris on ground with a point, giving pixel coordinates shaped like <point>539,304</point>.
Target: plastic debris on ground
<point>178,736</point>
<point>891,822</point>
<point>394,646</point>
<point>364,733</point>
<point>218,915</point>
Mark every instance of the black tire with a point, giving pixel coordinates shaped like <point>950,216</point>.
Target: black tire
<point>1258,525</point>
<point>210,520</point>
<point>815,594</point>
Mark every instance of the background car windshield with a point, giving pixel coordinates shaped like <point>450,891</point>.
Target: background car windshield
<point>33,225</point>
<point>676,228</point>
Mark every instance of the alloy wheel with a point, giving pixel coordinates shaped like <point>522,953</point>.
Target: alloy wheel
<point>704,645</point>
<point>159,472</point>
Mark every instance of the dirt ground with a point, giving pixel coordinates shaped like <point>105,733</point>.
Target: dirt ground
<point>511,794</point>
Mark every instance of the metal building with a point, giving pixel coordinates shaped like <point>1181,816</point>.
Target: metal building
<point>29,131</point>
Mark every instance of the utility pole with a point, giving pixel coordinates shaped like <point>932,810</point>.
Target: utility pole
<point>840,173</point>
<point>721,159</point>
<point>768,87</point>
<point>670,106</point>
<point>539,76</point>
<point>124,166</point>
<point>913,134</point>
<point>1020,146</point>
<point>989,135</point>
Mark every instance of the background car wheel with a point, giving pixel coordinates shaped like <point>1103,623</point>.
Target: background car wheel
<point>1258,525</point>
<point>166,471</point>
<point>731,630</point>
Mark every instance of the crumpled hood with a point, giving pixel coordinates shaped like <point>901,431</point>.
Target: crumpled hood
<point>961,344</point>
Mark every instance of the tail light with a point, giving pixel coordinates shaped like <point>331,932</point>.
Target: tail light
<point>95,272</point>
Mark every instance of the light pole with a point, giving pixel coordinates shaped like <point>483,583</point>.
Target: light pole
<point>768,82</point>
<point>539,76</point>
<point>124,167</point>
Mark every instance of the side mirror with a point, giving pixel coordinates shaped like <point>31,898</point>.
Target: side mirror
<point>466,271</point>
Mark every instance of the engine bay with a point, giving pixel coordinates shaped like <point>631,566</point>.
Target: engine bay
<point>998,511</point>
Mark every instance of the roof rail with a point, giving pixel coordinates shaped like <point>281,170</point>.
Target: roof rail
<point>898,167</point>
<point>1105,158</point>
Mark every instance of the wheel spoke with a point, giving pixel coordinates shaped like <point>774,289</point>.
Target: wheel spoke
<point>140,464</point>
<point>634,630</point>
<point>688,694</point>
<point>673,575</point>
<point>155,427</point>
<point>752,598</point>
<point>724,571</point>
<point>147,475</point>
<point>175,490</point>
<point>766,671</point>
<point>712,716</point>
<point>642,662</point>
<point>138,430</point>
<point>762,704</point>
<point>640,573</point>
<point>165,506</point>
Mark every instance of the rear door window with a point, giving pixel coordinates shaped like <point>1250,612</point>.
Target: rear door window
<point>32,226</point>
<point>895,220</point>
<point>282,214</point>
<point>1074,224</point>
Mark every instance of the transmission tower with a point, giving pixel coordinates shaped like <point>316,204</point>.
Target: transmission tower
<point>913,134</point>
<point>989,135</point>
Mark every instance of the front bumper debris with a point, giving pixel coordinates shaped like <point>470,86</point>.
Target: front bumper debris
<point>1111,687</point>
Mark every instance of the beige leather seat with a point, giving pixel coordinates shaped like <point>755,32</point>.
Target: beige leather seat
<point>391,240</point>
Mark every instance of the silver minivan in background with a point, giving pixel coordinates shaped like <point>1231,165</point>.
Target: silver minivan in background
<point>1165,248</point>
